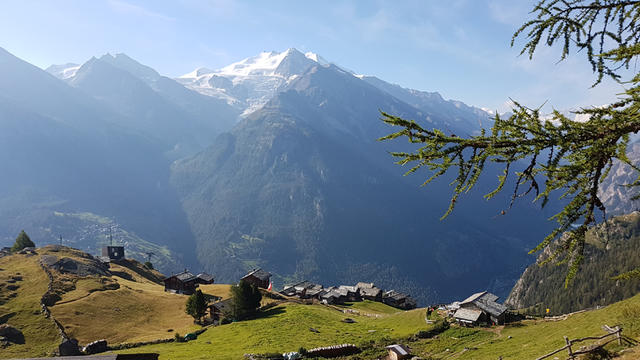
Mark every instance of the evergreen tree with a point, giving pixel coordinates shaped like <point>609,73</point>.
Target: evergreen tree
<point>22,241</point>
<point>246,300</point>
<point>560,155</point>
<point>196,305</point>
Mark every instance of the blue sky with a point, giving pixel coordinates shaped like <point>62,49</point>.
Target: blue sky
<point>459,48</point>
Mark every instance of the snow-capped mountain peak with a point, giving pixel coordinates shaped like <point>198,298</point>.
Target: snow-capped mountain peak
<point>64,71</point>
<point>317,58</point>
<point>251,82</point>
<point>197,73</point>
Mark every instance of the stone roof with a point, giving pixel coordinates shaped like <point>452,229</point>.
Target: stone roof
<point>206,277</point>
<point>399,349</point>
<point>468,315</point>
<point>363,285</point>
<point>184,276</point>
<point>224,305</point>
<point>258,273</point>
<point>347,288</point>
<point>368,289</point>
<point>487,302</point>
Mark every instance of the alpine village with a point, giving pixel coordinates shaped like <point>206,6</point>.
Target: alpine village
<point>200,197</point>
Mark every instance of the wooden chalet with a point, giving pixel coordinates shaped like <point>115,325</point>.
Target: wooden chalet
<point>480,308</point>
<point>369,291</point>
<point>399,300</point>
<point>258,277</point>
<point>181,283</point>
<point>113,252</point>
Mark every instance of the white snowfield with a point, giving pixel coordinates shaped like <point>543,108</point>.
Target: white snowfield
<point>250,83</point>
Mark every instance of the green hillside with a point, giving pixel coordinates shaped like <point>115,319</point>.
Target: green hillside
<point>288,327</point>
<point>127,304</point>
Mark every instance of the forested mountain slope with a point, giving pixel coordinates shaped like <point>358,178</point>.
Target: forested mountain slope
<point>610,250</point>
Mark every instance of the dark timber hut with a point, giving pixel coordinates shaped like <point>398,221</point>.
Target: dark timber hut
<point>258,277</point>
<point>113,252</point>
<point>182,283</point>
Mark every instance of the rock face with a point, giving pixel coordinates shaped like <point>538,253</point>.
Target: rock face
<point>10,334</point>
<point>98,346</point>
<point>71,266</point>
<point>614,195</point>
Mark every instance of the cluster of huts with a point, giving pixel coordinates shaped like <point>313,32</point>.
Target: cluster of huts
<point>478,309</point>
<point>345,293</point>
<point>186,282</point>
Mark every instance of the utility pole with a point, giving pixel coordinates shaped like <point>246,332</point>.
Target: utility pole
<point>110,235</point>
<point>149,255</point>
<point>60,240</point>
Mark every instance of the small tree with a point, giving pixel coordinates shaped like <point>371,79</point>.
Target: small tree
<point>148,265</point>
<point>246,300</point>
<point>196,305</point>
<point>22,241</point>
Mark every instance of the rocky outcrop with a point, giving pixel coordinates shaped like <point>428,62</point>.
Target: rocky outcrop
<point>68,265</point>
<point>9,334</point>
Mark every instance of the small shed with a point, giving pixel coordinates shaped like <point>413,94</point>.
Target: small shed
<point>181,283</point>
<point>258,277</point>
<point>113,252</point>
<point>205,279</point>
<point>398,352</point>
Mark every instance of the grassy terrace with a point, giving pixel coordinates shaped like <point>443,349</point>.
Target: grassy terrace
<point>287,328</point>
<point>22,310</point>
<point>139,310</point>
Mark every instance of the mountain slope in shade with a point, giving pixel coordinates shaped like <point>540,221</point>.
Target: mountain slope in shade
<point>153,105</point>
<point>542,287</point>
<point>302,188</point>
<point>434,106</point>
<point>61,151</point>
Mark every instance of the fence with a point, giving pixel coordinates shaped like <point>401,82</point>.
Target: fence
<point>615,334</point>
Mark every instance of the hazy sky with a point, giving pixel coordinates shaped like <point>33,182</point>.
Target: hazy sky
<point>459,48</point>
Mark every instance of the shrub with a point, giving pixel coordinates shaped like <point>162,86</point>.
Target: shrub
<point>22,241</point>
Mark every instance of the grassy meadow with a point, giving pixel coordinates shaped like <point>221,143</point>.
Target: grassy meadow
<point>131,306</point>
